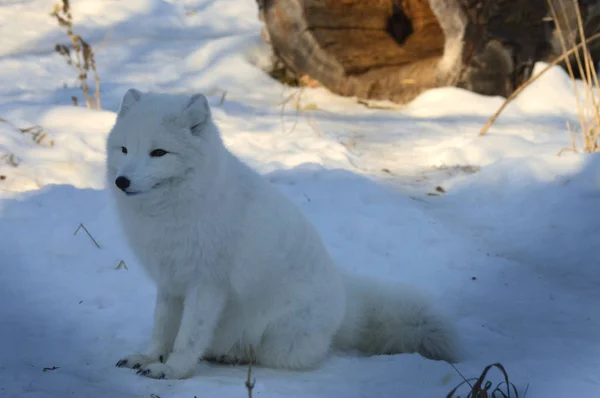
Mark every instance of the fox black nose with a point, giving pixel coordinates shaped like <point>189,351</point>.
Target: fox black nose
<point>122,182</point>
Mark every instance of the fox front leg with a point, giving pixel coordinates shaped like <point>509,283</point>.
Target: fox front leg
<point>201,311</point>
<point>167,318</point>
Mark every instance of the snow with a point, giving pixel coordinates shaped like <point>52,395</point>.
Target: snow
<point>509,249</point>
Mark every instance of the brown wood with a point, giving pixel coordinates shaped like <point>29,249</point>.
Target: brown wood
<point>396,49</point>
<point>335,14</point>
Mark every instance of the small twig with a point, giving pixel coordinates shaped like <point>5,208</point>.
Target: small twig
<point>372,105</point>
<point>222,100</point>
<point>461,375</point>
<point>11,159</point>
<point>48,369</point>
<point>88,233</point>
<point>218,90</point>
<point>250,384</point>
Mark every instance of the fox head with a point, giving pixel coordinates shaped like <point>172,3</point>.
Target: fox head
<point>158,141</point>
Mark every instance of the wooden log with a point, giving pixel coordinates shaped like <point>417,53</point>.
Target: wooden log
<point>396,49</point>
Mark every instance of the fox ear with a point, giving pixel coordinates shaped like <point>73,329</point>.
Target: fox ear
<point>131,97</point>
<point>197,112</point>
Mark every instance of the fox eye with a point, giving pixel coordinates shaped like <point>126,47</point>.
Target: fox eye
<point>158,153</point>
<point>123,149</point>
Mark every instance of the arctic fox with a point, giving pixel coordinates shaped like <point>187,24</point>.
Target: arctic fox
<point>241,274</point>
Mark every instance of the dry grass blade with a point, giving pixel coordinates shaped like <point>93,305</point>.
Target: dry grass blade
<point>295,93</point>
<point>483,389</point>
<point>88,234</point>
<point>37,132</point>
<point>249,382</point>
<point>311,108</point>
<point>562,38</point>
<point>590,79</point>
<point>11,159</point>
<point>522,87</point>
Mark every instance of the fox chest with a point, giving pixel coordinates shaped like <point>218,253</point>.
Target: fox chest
<point>173,254</point>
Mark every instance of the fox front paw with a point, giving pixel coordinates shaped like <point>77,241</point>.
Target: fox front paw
<point>162,371</point>
<point>136,361</point>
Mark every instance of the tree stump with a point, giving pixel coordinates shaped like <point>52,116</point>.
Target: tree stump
<point>396,49</point>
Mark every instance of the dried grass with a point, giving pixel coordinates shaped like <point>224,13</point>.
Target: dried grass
<point>79,55</point>
<point>588,111</point>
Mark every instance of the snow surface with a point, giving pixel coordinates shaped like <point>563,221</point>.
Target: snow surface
<point>510,249</point>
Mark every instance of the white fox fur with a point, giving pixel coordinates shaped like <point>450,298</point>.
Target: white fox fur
<point>236,264</point>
